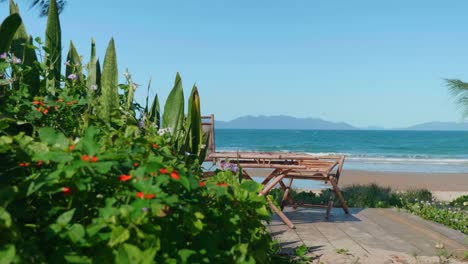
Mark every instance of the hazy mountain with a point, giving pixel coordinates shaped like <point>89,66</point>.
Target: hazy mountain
<point>281,122</point>
<point>445,126</point>
<point>289,122</point>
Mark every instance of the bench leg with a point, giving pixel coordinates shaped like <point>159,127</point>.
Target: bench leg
<point>338,193</point>
<point>281,214</point>
<point>286,195</point>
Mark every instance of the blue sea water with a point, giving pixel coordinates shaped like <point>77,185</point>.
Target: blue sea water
<point>400,151</point>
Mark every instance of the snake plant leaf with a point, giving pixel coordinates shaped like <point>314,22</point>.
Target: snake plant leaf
<point>53,45</point>
<point>109,84</point>
<point>204,150</point>
<point>173,116</point>
<point>74,63</point>
<point>21,36</point>
<point>147,97</point>
<point>155,112</point>
<point>8,29</point>
<point>32,76</point>
<point>94,71</point>
<point>22,47</point>
<point>194,121</point>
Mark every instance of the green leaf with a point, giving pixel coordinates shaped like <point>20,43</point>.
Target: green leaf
<point>128,254</point>
<point>77,259</point>
<point>33,187</point>
<point>195,123</point>
<point>53,138</point>
<point>5,218</point>
<point>76,233</point>
<point>251,186</point>
<point>7,254</point>
<point>53,43</point>
<point>73,63</point>
<point>109,99</point>
<point>8,29</point>
<point>185,254</point>
<point>65,218</point>
<point>119,235</point>
<point>173,115</point>
<point>155,112</point>
<point>93,69</point>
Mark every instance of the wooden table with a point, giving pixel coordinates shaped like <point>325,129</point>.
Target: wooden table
<point>291,166</point>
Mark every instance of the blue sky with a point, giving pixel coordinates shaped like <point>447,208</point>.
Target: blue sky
<point>366,62</point>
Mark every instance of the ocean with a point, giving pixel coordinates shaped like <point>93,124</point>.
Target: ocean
<point>398,151</point>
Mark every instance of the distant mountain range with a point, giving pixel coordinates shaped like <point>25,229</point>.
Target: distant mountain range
<point>288,122</point>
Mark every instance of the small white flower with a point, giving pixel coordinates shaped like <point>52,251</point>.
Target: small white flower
<point>465,203</point>
<point>203,146</point>
<point>93,87</point>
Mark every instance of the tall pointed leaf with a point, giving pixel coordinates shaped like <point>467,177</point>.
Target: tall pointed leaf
<point>22,47</point>
<point>8,29</point>
<point>93,70</point>
<point>109,82</point>
<point>147,97</point>
<point>31,77</point>
<point>195,132</point>
<point>74,63</point>
<point>173,115</point>
<point>20,37</point>
<point>155,112</point>
<point>53,44</point>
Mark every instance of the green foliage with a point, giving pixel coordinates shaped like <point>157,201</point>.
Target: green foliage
<point>94,71</point>
<point>461,201</point>
<point>109,98</point>
<point>173,115</point>
<point>72,182</point>
<point>73,64</point>
<point>53,44</point>
<point>8,30</point>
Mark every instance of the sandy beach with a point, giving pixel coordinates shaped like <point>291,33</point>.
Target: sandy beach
<point>445,186</point>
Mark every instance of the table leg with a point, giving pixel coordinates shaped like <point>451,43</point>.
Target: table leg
<point>281,214</point>
<point>267,179</point>
<point>286,195</point>
<point>338,193</point>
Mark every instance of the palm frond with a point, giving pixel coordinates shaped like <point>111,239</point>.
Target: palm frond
<point>43,5</point>
<point>459,91</point>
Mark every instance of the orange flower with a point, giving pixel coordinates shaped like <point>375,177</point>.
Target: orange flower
<point>202,184</point>
<point>71,147</point>
<point>135,164</point>
<point>140,195</point>
<point>94,159</point>
<point>69,103</point>
<point>149,196</point>
<point>21,164</point>
<point>223,184</point>
<point>85,158</point>
<point>46,111</point>
<point>175,175</point>
<point>124,178</point>
<point>66,190</point>
<point>163,171</point>
<point>39,163</point>
<point>155,146</point>
<point>59,100</point>
<point>35,102</point>
<point>38,109</point>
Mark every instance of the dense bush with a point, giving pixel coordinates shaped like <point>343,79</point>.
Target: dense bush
<point>86,179</point>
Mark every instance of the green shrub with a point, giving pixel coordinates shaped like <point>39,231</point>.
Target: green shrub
<point>78,188</point>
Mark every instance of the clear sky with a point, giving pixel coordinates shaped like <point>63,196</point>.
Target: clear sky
<point>366,62</point>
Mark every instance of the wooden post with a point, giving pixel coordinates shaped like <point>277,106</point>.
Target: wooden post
<point>212,134</point>
<point>268,188</point>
